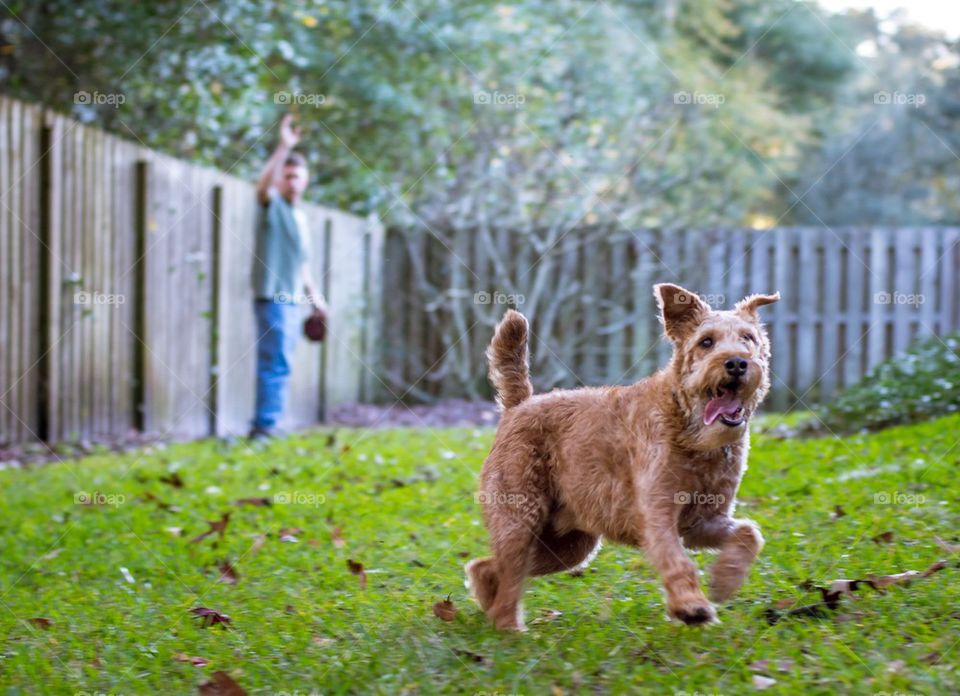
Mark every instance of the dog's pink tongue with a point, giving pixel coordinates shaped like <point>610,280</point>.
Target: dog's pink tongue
<point>726,405</point>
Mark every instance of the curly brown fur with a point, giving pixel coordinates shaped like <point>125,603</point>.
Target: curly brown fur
<point>509,364</point>
<point>655,465</point>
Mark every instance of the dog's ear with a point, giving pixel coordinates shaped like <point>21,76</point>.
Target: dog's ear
<point>681,311</point>
<point>749,305</point>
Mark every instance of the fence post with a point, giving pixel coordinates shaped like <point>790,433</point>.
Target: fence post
<point>140,388</point>
<point>48,296</point>
<point>373,319</point>
<point>216,231</point>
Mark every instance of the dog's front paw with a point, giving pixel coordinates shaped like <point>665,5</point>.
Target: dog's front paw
<point>694,612</point>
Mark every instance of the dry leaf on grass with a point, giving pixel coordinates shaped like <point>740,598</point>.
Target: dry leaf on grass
<point>290,534</point>
<point>830,597</point>
<point>41,622</point>
<point>256,502</point>
<point>210,617</point>
<point>480,659</point>
<point>172,480</point>
<point>228,574</point>
<point>217,527</point>
<point>357,569</point>
<point>221,684</point>
<point>445,610</point>
<point>883,538</point>
<point>195,661</point>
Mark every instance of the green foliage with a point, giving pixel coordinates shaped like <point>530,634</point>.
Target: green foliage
<point>887,151</point>
<point>919,384</point>
<point>587,130</point>
<point>404,503</point>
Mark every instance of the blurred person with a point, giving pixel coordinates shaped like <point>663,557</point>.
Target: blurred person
<point>280,272</point>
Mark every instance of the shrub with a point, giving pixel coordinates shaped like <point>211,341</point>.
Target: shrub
<point>919,384</point>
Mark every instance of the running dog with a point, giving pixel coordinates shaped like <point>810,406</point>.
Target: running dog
<point>654,465</point>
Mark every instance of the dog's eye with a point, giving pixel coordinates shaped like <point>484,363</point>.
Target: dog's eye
<point>706,342</point>
<point>749,338</point>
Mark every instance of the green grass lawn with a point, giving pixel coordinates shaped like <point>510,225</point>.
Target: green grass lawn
<point>116,582</point>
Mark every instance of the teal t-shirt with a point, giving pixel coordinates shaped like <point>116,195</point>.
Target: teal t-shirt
<point>279,252</point>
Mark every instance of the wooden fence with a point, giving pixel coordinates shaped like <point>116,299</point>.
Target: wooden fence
<point>125,298</point>
<point>851,298</point>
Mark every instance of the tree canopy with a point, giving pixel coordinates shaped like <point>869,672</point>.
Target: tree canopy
<point>538,113</point>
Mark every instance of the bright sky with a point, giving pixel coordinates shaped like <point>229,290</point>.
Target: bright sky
<point>937,14</point>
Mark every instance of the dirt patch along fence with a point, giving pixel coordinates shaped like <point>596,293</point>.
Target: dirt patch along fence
<point>851,298</point>
<point>125,298</point>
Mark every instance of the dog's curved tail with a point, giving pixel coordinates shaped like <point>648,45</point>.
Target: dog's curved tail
<point>509,361</point>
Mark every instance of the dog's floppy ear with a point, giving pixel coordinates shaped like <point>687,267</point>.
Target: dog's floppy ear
<point>681,311</point>
<point>749,305</point>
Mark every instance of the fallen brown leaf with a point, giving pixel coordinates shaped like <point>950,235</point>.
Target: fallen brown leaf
<point>445,610</point>
<point>221,684</point>
<point>196,661</point>
<point>173,480</point>
<point>471,656</point>
<point>290,533</point>
<point>761,682</point>
<point>934,568</point>
<point>41,622</point>
<point>931,658</point>
<point>878,582</point>
<point>844,588</point>
<point>216,527</point>
<point>149,497</point>
<point>256,502</point>
<point>357,569</point>
<point>210,617</point>
<point>228,574</point>
<point>883,538</point>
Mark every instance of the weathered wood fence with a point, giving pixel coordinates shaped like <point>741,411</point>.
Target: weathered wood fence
<point>125,298</point>
<point>851,298</point>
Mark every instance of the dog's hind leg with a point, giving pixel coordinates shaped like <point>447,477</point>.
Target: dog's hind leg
<point>512,557</point>
<point>482,580</point>
<point>554,552</point>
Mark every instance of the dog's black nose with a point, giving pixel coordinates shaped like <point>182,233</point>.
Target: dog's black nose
<point>736,367</point>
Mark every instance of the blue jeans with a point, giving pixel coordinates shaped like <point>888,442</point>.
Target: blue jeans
<point>278,327</point>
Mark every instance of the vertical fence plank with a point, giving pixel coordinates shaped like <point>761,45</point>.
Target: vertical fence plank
<point>929,320</point>
<point>779,322</point>
<point>808,241</point>
<point>905,272</point>
<point>645,337</point>
<point>832,325</point>
<point>15,210</point>
<point>6,227</point>
<point>949,275</point>
<point>880,294</point>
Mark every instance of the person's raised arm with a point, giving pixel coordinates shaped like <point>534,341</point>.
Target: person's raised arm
<point>273,169</point>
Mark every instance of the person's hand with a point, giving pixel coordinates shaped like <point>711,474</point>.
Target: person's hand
<point>289,134</point>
